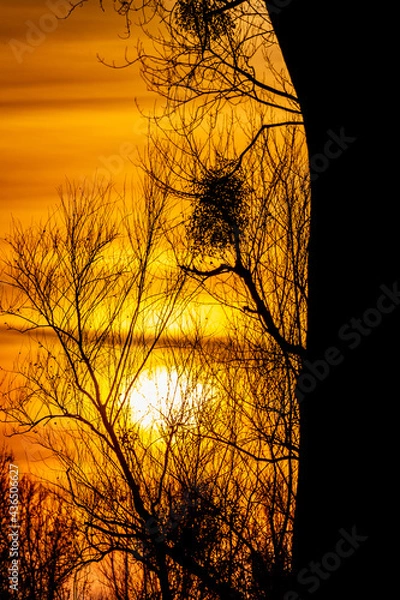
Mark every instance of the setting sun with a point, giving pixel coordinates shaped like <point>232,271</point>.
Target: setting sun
<point>164,395</point>
<point>153,295</point>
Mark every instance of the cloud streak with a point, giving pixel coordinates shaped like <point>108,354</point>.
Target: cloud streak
<point>61,109</point>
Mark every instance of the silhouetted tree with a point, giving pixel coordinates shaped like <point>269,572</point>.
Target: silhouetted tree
<point>85,299</point>
<point>246,232</point>
<point>88,300</point>
<point>47,549</point>
<point>353,252</point>
<point>248,224</point>
<point>328,50</point>
<point>189,505</point>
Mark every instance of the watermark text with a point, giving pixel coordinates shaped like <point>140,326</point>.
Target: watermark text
<point>13,527</point>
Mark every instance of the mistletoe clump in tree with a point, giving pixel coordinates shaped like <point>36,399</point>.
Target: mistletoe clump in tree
<point>204,19</point>
<point>220,210</point>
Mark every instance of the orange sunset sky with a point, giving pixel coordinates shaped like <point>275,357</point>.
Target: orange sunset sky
<point>63,114</point>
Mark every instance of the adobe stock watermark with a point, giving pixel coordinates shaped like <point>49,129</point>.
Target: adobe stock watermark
<point>114,164</point>
<point>317,572</point>
<point>336,144</point>
<point>110,166</point>
<point>36,32</point>
<point>351,333</point>
<point>13,527</point>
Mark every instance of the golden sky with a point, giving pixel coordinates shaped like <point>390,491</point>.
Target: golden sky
<point>63,114</point>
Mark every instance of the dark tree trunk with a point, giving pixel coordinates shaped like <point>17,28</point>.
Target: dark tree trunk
<point>338,57</point>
